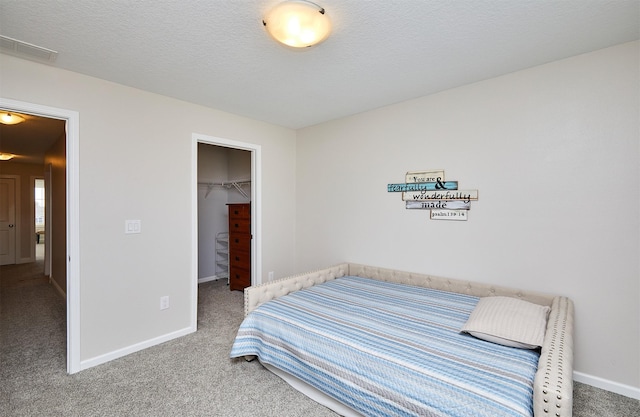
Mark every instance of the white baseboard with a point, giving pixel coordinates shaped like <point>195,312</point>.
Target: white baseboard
<point>58,288</point>
<point>605,384</point>
<point>99,360</point>
<point>211,278</point>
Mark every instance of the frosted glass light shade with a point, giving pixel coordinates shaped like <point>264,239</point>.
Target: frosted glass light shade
<point>297,23</point>
<point>7,118</point>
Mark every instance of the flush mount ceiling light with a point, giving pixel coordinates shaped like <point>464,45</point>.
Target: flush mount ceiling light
<point>6,156</point>
<point>7,118</point>
<point>297,23</point>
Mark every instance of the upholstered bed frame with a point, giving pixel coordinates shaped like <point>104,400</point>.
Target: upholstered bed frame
<point>553,385</point>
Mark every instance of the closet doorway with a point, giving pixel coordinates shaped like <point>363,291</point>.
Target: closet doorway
<point>224,177</point>
<point>224,172</point>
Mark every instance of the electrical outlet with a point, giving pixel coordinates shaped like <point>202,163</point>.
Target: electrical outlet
<point>164,302</point>
<point>271,276</point>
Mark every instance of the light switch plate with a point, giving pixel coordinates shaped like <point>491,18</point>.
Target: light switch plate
<point>132,226</point>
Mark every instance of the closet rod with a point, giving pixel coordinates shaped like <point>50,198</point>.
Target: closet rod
<point>228,184</point>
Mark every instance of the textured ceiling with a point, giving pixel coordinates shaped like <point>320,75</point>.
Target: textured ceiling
<point>216,52</point>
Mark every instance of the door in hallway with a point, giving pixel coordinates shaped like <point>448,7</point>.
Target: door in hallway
<point>7,221</point>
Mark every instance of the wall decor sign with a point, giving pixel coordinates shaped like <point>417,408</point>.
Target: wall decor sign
<point>449,214</point>
<point>424,176</point>
<point>438,204</point>
<point>428,190</point>
<point>422,186</point>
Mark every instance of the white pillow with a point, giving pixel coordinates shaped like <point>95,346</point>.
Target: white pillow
<point>508,321</point>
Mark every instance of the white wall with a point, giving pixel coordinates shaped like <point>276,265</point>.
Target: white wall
<point>553,152</point>
<point>135,153</point>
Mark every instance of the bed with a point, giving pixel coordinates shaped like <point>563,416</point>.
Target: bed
<point>370,341</point>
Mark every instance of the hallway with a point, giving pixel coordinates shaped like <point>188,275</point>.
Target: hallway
<point>18,275</point>
<point>32,324</point>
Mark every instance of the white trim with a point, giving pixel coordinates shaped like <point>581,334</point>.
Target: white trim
<point>256,210</point>
<point>57,287</point>
<point>73,238</point>
<point>605,384</point>
<point>32,225</point>
<point>47,225</point>
<point>99,360</point>
<point>211,278</point>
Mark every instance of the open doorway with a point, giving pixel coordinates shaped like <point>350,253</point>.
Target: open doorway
<point>59,157</point>
<point>224,180</point>
<point>30,148</point>
<point>224,172</point>
<point>39,208</point>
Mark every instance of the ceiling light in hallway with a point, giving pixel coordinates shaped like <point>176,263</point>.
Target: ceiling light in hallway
<point>8,118</point>
<point>297,23</point>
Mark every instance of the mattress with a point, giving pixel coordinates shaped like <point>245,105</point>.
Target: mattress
<point>389,349</point>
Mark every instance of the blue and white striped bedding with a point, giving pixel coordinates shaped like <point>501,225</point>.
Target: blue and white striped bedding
<point>387,349</point>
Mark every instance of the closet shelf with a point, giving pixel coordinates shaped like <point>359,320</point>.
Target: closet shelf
<point>228,185</point>
<point>222,255</point>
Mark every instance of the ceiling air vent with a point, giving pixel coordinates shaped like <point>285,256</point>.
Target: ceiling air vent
<point>26,50</point>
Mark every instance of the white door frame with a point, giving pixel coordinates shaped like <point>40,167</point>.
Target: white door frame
<point>256,211</point>
<point>48,215</point>
<point>73,236</point>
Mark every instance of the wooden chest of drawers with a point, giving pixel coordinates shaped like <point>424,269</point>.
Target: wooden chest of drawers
<point>239,246</point>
